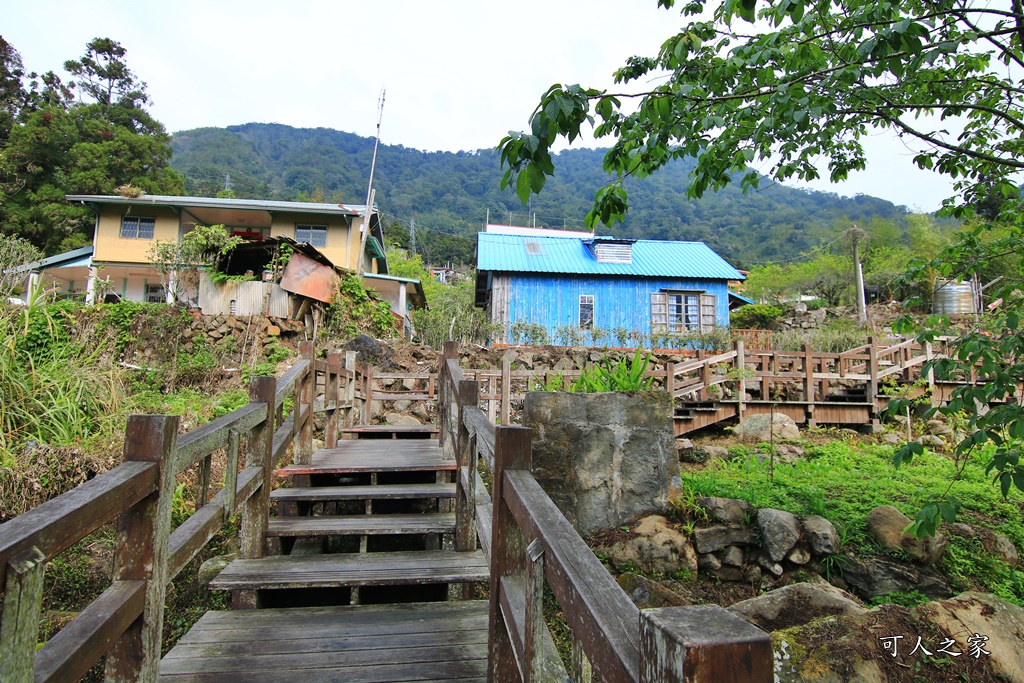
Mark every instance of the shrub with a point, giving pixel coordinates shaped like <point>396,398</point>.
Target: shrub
<point>756,317</point>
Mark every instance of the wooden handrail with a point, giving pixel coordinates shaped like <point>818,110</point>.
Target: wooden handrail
<point>137,494</point>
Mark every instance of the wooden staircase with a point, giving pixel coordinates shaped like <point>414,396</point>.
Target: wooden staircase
<point>393,484</point>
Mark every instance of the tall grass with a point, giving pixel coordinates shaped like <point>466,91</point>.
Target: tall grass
<point>53,390</point>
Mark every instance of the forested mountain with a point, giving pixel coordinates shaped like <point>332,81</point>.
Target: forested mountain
<point>451,192</point>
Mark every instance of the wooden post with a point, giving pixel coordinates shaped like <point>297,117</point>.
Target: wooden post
<point>19,631</point>
<point>466,457</point>
<point>580,670</point>
<point>257,509</point>
<point>741,381</point>
<point>705,375</point>
<point>809,384</point>
<point>350,388</point>
<point>492,402</point>
<point>533,667</point>
<point>332,400</point>
<point>929,354</point>
<point>203,481</point>
<point>670,380</point>
<point>304,397</point>
<point>767,370</point>
<point>450,352</point>
<point>702,644</point>
<point>367,371</point>
<point>231,473</point>
<point>141,550</point>
<point>512,451</point>
<point>506,391</point>
<point>872,386</point>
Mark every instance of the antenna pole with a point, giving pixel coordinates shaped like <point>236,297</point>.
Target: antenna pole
<point>368,211</point>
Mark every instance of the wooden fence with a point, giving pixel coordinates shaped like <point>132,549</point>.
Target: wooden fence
<point>125,623</point>
<point>530,544</point>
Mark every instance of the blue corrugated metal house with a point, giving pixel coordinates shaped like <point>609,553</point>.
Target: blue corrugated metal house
<point>645,287</point>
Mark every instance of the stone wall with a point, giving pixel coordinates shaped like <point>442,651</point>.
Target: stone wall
<point>603,458</point>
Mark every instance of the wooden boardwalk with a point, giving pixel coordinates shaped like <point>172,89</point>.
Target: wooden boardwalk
<point>363,570</point>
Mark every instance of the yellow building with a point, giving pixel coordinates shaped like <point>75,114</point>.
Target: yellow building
<point>127,228</point>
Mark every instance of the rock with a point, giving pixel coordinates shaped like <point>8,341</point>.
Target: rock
<point>759,428</point>
<point>684,444</point>
<point>420,411</point>
<point>788,453</point>
<point>938,428</point>
<point>708,563</point>
<point>728,574</point>
<point>886,525</point>
<point>369,350</point>
<point>780,531</point>
<point>214,334</point>
<point>766,563</point>
<point>891,438</point>
<point>401,420</point>
<point>821,534</point>
<point>1005,549</point>
<point>209,570</point>
<point>799,556</point>
<point>647,593</point>
<point>962,530</point>
<point>796,604</point>
<point>877,576</point>
<point>852,433</point>
<point>713,538</point>
<point>931,441</point>
<point>409,384</point>
<point>987,615</point>
<point>725,510</point>
<point>603,458</point>
<point>657,547</point>
<point>752,574</point>
<point>402,406</point>
<point>717,452</point>
<point>731,556</point>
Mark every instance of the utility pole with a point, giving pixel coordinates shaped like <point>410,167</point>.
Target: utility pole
<point>412,235</point>
<point>369,189</point>
<point>856,235</point>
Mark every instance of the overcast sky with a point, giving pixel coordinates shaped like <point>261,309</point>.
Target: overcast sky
<point>459,74</point>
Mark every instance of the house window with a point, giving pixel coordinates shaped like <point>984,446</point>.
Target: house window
<point>586,311</point>
<point>680,312</point>
<point>137,227</point>
<point>313,235</point>
<point>155,294</point>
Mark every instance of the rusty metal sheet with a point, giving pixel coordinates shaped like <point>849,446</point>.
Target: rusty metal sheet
<point>308,278</point>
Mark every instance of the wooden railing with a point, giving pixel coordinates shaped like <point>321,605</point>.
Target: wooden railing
<point>799,377</point>
<point>530,544</point>
<point>125,623</point>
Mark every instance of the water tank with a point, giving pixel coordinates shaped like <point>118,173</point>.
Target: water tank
<point>952,297</point>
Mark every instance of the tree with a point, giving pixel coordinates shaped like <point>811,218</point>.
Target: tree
<point>57,146</point>
<point>807,89</point>
<point>14,252</point>
<point>179,263</point>
<point>806,83</point>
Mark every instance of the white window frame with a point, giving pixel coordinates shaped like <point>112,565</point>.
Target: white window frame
<point>682,311</point>
<point>138,227</point>
<point>586,300</point>
<point>313,231</point>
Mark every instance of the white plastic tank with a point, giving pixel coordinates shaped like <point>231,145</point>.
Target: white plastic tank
<point>952,297</point>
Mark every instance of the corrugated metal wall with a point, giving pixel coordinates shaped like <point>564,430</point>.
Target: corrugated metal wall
<point>553,301</point>
<point>249,298</point>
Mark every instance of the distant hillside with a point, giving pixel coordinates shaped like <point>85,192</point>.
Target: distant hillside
<point>451,192</point>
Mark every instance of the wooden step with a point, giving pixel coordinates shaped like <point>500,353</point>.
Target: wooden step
<point>360,525</point>
<point>376,456</point>
<point>353,569</point>
<point>378,492</point>
<point>390,432</point>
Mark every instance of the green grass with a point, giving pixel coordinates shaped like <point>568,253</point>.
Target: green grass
<point>843,482</point>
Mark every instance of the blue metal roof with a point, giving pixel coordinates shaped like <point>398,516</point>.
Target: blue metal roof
<point>651,258</point>
<point>70,259</point>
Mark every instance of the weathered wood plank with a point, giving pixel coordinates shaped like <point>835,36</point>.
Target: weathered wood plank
<point>61,522</point>
<point>377,492</point>
<point>597,609</point>
<point>349,525</point>
<point>353,569</point>
<point>19,630</point>
<point>201,441</point>
<point>73,651</point>
<point>475,634</point>
<point>286,382</point>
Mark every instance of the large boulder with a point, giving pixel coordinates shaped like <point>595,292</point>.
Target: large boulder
<point>877,576</point>
<point>603,458</point>
<point>370,350</point>
<point>886,525</point>
<point>780,531</point>
<point>796,604</point>
<point>758,428</point>
<point>656,547</point>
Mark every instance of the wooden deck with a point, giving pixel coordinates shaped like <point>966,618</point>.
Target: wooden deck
<point>440,641</point>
